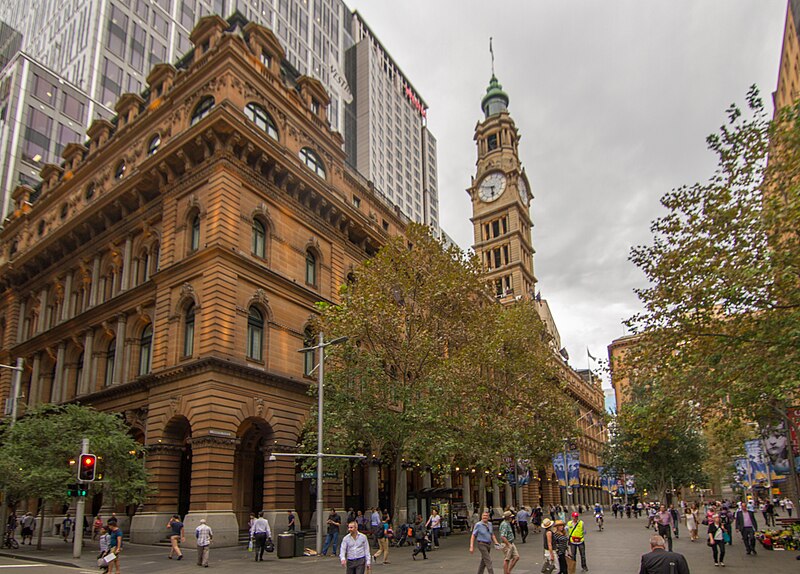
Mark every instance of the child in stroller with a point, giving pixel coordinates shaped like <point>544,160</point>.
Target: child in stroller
<point>401,537</point>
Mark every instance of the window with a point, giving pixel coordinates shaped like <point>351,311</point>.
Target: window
<point>89,193</point>
<point>111,351</point>
<point>79,371</point>
<point>145,350</point>
<point>44,90</point>
<point>194,234</point>
<point>72,107</point>
<point>309,356</point>
<point>312,161</point>
<point>188,331</point>
<point>111,82</point>
<point>311,267</point>
<point>356,202</point>
<point>261,118</point>
<point>64,210</point>
<point>117,31</point>
<point>65,136</point>
<point>259,239</point>
<point>119,172</point>
<point>202,109</point>
<point>152,147</point>
<point>265,59</point>
<point>36,147</point>
<point>255,335</point>
<point>491,142</point>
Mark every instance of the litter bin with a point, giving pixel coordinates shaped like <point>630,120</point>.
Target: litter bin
<point>286,545</point>
<point>299,542</point>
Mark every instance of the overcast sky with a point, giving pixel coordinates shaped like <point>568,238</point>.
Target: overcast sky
<point>613,99</point>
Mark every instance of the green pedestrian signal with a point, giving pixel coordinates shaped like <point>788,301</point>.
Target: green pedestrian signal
<point>74,490</point>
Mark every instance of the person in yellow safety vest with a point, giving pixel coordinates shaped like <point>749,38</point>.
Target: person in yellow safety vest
<point>577,535</point>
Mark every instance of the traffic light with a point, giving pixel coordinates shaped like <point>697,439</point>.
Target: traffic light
<point>76,490</point>
<point>87,468</point>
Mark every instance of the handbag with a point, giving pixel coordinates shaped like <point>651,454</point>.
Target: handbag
<point>109,558</point>
<point>570,564</point>
<point>548,567</point>
<point>250,546</point>
<point>726,538</point>
<point>269,547</point>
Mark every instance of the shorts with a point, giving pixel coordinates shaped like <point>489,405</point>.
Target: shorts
<point>27,531</point>
<point>510,551</point>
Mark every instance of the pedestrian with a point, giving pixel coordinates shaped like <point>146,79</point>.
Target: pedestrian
<point>259,533</point>
<point>114,544</point>
<point>716,539</point>
<point>769,513</point>
<point>175,526</point>
<point>362,521</point>
<point>374,524</point>
<point>745,521</point>
<point>66,527</point>
<point>690,516</point>
<point>28,523</point>
<point>523,516</point>
<point>435,524</point>
<point>549,545</point>
<point>510,552</point>
<point>676,519</point>
<point>204,534</point>
<point>482,535</point>
<point>660,561</point>
<point>354,551</point>
<point>97,525</point>
<point>789,506</point>
<point>536,519</point>
<point>103,542</point>
<point>290,522</point>
<point>665,524</point>
<point>334,521</point>
<point>420,538</point>
<point>577,539</point>
<point>561,543</point>
<point>383,540</point>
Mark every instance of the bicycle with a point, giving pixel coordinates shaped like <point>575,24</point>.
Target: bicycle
<point>10,541</point>
<point>599,519</point>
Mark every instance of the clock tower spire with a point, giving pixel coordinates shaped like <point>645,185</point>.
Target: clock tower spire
<point>501,196</point>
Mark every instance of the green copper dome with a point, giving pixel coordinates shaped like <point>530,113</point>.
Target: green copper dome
<point>495,100</point>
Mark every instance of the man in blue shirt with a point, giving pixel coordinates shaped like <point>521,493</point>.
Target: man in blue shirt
<point>483,535</point>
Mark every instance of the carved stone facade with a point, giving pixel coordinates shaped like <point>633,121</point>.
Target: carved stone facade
<point>168,268</point>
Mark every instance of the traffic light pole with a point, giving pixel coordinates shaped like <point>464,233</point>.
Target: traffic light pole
<point>80,509</point>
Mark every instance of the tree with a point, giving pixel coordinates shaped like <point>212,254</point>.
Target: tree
<point>434,370</point>
<point>35,454</point>
<point>721,319</point>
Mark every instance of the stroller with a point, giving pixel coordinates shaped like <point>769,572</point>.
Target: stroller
<point>401,537</point>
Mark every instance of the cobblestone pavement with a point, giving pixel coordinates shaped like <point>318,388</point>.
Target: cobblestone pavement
<point>615,550</point>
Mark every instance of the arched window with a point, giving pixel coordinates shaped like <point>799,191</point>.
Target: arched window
<point>194,233</point>
<point>312,161</point>
<point>262,119</point>
<point>311,267</point>
<point>152,147</point>
<point>111,352</point>
<point>145,350</point>
<point>259,239</point>
<point>309,357</point>
<point>188,331</point>
<point>255,335</point>
<point>202,109</point>
<point>119,172</point>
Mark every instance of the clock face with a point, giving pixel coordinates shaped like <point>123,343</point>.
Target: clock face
<point>523,190</point>
<point>492,186</point>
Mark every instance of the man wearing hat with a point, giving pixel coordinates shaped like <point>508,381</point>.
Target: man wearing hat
<point>510,553</point>
<point>203,534</point>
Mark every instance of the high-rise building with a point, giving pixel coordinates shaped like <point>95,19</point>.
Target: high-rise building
<point>105,48</point>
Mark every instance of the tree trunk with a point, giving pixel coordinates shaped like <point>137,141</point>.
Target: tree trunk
<point>41,527</point>
<point>400,497</point>
<point>481,494</point>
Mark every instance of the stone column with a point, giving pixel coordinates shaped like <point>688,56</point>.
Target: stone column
<point>95,281</point>
<point>372,483</point>
<point>21,334</point>
<point>426,478</point>
<point>164,463</point>
<point>402,498</point>
<point>126,264</point>
<point>42,323</point>
<point>85,384</point>
<point>509,494</point>
<point>36,390</point>
<point>66,306</point>
<point>119,351</point>
<point>448,480</point>
<point>212,499</point>
<point>520,501</point>
<point>57,392</point>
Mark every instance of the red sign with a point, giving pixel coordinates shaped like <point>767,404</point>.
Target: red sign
<point>794,415</point>
<point>415,101</point>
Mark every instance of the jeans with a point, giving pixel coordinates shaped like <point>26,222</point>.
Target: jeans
<point>573,548</point>
<point>749,539</point>
<point>435,535</point>
<point>718,549</point>
<point>523,530</point>
<point>665,531</point>
<point>259,543</point>
<point>331,537</point>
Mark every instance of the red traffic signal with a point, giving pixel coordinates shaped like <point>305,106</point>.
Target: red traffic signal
<point>87,468</point>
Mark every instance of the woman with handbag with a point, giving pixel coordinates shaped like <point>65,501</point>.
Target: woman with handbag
<point>550,564</point>
<point>716,539</point>
<point>561,543</point>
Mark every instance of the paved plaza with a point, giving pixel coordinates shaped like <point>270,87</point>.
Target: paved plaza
<point>615,550</point>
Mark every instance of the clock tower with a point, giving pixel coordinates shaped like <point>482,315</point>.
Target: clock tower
<point>501,198</point>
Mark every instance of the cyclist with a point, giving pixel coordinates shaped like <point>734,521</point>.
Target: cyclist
<point>11,527</point>
<point>598,515</point>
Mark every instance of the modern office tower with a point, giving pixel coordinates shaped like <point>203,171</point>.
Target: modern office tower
<point>105,48</point>
<point>386,133</point>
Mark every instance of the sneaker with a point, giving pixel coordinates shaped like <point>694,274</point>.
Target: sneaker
<point>722,564</point>
<point>180,557</point>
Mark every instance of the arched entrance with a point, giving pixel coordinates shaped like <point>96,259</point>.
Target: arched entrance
<point>177,435</point>
<point>256,440</point>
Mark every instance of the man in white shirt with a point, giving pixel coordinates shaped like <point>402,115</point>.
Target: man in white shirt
<point>259,532</point>
<point>204,534</point>
<point>789,506</point>
<point>354,551</point>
